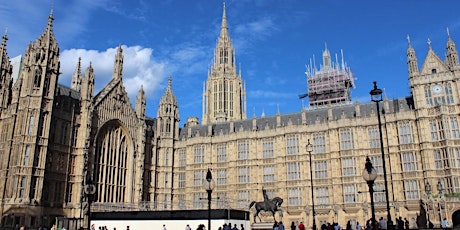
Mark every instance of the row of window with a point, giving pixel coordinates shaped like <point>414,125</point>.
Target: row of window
<point>405,134</point>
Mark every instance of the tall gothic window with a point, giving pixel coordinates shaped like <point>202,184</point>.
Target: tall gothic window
<point>319,143</point>
<point>267,148</point>
<point>294,196</point>
<point>37,77</point>
<point>434,130</point>
<point>221,178</point>
<point>293,171</point>
<point>409,161</point>
<point>243,175</point>
<point>221,153</point>
<point>243,149</point>
<point>243,198</point>
<point>292,145</point>
<point>374,137</point>
<point>269,173</point>
<point>112,164</point>
<point>428,97</point>
<point>454,156</point>
<point>321,170</point>
<point>181,180</point>
<point>182,158</point>
<point>31,124</point>
<point>449,95</point>
<point>348,167</point>
<point>455,133</point>
<point>26,155</point>
<point>322,195</point>
<point>405,133</point>
<point>349,193</point>
<point>411,190</point>
<point>437,159</point>
<point>198,154</point>
<point>346,139</point>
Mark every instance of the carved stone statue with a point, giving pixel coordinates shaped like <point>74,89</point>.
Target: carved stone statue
<point>268,205</point>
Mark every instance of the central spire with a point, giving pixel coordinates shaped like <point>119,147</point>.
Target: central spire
<point>224,27</point>
<point>223,94</point>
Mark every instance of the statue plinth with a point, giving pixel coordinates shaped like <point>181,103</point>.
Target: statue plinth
<point>262,226</point>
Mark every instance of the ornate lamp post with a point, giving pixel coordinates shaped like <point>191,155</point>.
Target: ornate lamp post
<point>376,96</point>
<point>209,185</point>
<point>369,175</point>
<point>309,150</point>
<point>90,190</point>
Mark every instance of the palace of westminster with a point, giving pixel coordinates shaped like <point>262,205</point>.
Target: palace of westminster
<point>55,139</point>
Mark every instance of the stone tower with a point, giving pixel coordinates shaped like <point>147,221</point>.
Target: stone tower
<point>167,133</point>
<point>224,96</point>
<point>31,108</point>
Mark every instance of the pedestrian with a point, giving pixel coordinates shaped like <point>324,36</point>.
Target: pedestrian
<point>382,223</point>
<point>358,226</point>
<point>280,225</point>
<point>242,227</point>
<point>293,227</point>
<point>406,223</point>
<point>444,223</point>
<point>275,226</point>
<point>301,226</point>
<point>234,227</point>
<point>164,227</point>
<point>188,227</point>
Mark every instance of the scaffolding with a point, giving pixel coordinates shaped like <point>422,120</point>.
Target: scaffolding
<point>331,84</point>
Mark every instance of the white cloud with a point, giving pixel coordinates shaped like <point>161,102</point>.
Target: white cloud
<point>139,69</point>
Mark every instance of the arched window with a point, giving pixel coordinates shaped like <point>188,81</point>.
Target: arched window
<point>37,77</point>
<point>112,164</point>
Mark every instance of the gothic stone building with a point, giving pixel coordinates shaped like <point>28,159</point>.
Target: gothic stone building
<point>55,139</point>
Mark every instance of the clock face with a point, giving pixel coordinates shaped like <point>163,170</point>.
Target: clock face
<point>437,89</point>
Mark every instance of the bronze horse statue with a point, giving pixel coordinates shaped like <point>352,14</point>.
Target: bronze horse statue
<point>268,206</point>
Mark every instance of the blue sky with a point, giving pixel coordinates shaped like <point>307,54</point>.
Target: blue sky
<point>273,40</point>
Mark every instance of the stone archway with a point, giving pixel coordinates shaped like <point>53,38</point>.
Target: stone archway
<point>456,219</point>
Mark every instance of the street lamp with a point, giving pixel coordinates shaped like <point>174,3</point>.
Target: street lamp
<point>209,185</point>
<point>369,175</point>
<point>376,96</point>
<point>309,150</point>
<point>90,189</point>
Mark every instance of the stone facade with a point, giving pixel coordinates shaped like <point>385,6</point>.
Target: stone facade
<point>55,139</point>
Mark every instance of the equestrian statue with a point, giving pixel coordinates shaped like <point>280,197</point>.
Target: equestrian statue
<point>268,205</point>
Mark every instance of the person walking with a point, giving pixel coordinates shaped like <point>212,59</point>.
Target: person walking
<point>301,226</point>
<point>444,223</point>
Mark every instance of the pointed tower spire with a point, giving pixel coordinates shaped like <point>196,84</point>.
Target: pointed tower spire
<point>168,113</point>
<point>327,64</point>
<point>224,27</point>
<point>224,96</point>
<point>452,53</point>
<point>6,80</point>
<point>87,87</point>
<point>118,65</point>
<point>76,78</point>
<point>412,62</point>
<point>140,103</point>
